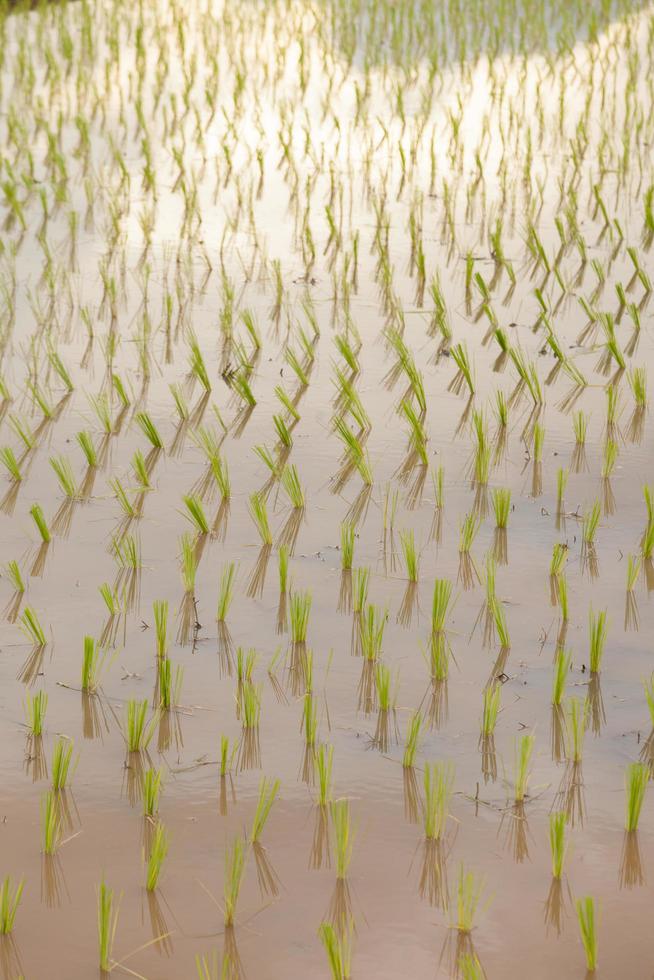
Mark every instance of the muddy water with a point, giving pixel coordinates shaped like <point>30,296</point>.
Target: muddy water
<point>401,907</point>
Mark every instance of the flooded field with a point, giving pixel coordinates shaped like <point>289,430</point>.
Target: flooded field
<point>327,503</point>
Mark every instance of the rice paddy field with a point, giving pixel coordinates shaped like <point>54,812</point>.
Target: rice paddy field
<point>327,495</point>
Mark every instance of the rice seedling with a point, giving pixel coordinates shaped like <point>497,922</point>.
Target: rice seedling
<point>562,664</point>
<point>121,495</point>
<point>324,757</point>
<point>597,628</point>
<point>15,576</point>
<point>411,558</point>
<point>292,487</point>
<point>11,464</point>
<point>86,444</point>
<point>195,513</point>
<point>50,824</point>
<point>468,532</point>
<point>559,557</point>
<point>62,755</point>
<point>501,506</point>
<point>9,902</point>
<point>283,432</point>
<point>268,790</point>
<point>197,365</point>
<point>499,620</point>
<point>586,917</point>
<point>39,519</point>
<point>160,614</point>
<point>356,455</point>
<point>259,514</point>
<point>250,705</point>
<point>141,473</point>
<point>299,609</point>
<point>64,472</point>
<point>102,409</point>
<point>227,753</point>
<point>151,791</point>
<point>287,404</point>
<point>107,925</point>
<point>439,784</point>
<point>235,855</point>
<point>633,571</point>
<point>149,429</point>
<point>638,384</point>
<point>490,709</point>
<point>440,604</point>
<point>23,431</point>
<point>138,730</point>
<point>523,752</point>
<point>610,458</point>
<point>470,889</point>
<point>35,709</point>
<point>414,729</point>
<point>226,591</point>
<point>159,845</point>
<point>348,532</point>
<point>580,425</point>
<point>464,374</point>
<point>637,776</point>
<point>121,392</point>
<point>170,684</point>
<point>339,951</point>
<point>590,522</point>
<point>558,842</point>
<point>372,624</point>
<point>241,387</point>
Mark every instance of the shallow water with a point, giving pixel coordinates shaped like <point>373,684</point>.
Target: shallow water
<point>121,286</point>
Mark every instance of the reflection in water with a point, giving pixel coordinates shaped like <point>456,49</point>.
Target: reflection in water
<point>161,934</point>
<point>267,877</point>
<point>408,604</point>
<point>320,855</point>
<point>557,733</point>
<point>11,965</point>
<point>411,794</point>
<point>36,764</point>
<point>94,720</point>
<point>631,874</point>
<point>488,758</point>
<point>53,881</point>
<point>594,707</point>
<point>222,793</point>
<point>570,796</point>
<point>225,649</point>
<point>555,905</point>
<point>516,831</point>
<point>340,912</point>
<point>433,886</point>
